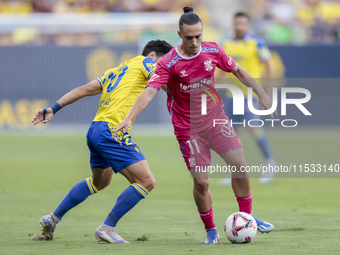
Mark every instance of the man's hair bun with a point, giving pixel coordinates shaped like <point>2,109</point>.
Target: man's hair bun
<point>188,9</point>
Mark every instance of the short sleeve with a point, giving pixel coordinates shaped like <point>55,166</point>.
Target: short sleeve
<point>148,67</point>
<point>102,79</point>
<point>225,62</point>
<point>160,76</point>
<point>262,50</point>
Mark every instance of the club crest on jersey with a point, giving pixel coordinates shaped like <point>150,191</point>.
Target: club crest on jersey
<point>192,161</point>
<point>208,65</point>
<point>183,73</point>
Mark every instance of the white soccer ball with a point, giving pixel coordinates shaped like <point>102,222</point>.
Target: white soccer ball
<point>240,227</point>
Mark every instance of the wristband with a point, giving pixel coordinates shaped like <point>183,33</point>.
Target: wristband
<point>55,107</point>
<point>44,113</point>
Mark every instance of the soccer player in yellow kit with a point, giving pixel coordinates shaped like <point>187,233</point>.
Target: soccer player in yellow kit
<point>119,88</point>
<point>250,52</point>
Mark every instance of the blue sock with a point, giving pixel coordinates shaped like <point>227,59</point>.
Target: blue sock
<point>262,141</point>
<point>76,195</point>
<point>125,202</point>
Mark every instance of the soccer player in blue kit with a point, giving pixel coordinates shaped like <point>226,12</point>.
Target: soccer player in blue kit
<point>119,88</point>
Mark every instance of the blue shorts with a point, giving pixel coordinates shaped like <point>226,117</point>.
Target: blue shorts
<point>105,151</point>
<point>248,115</point>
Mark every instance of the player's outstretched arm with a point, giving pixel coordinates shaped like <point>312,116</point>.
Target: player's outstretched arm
<point>141,103</point>
<point>45,115</point>
<point>248,80</point>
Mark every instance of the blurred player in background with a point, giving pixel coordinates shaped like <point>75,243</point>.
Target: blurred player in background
<point>250,52</point>
<point>188,71</point>
<point>119,88</point>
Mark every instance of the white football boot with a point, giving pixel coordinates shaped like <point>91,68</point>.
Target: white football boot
<point>109,236</point>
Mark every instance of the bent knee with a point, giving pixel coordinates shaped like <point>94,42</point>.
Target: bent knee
<point>239,164</point>
<point>148,183</point>
<point>201,184</point>
<point>151,184</point>
<point>101,185</point>
<point>240,171</point>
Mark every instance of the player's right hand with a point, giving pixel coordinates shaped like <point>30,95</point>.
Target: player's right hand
<point>39,116</point>
<point>125,124</point>
<point>266,103</point>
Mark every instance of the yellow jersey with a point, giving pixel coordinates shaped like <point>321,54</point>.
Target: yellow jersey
<point>250,53</point>
<point>121,87</point>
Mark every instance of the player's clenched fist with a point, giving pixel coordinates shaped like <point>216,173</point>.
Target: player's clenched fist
<point>125,125</point>
<point>43,116</point>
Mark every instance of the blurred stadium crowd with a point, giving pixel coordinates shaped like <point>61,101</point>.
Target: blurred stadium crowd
<point>296,22</point>
<point>88,6</point>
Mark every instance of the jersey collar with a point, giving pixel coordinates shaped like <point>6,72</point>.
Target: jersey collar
<point>245,36</point>
<point>188,57</point>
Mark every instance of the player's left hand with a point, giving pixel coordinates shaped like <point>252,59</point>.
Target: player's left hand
<point>43,117</point>
<point>125,124</point>
<point>266,103</point>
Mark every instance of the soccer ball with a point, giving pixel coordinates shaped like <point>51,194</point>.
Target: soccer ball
<point>240,227</point>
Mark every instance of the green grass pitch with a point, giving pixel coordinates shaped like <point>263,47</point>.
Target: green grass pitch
<point>37,172</point>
